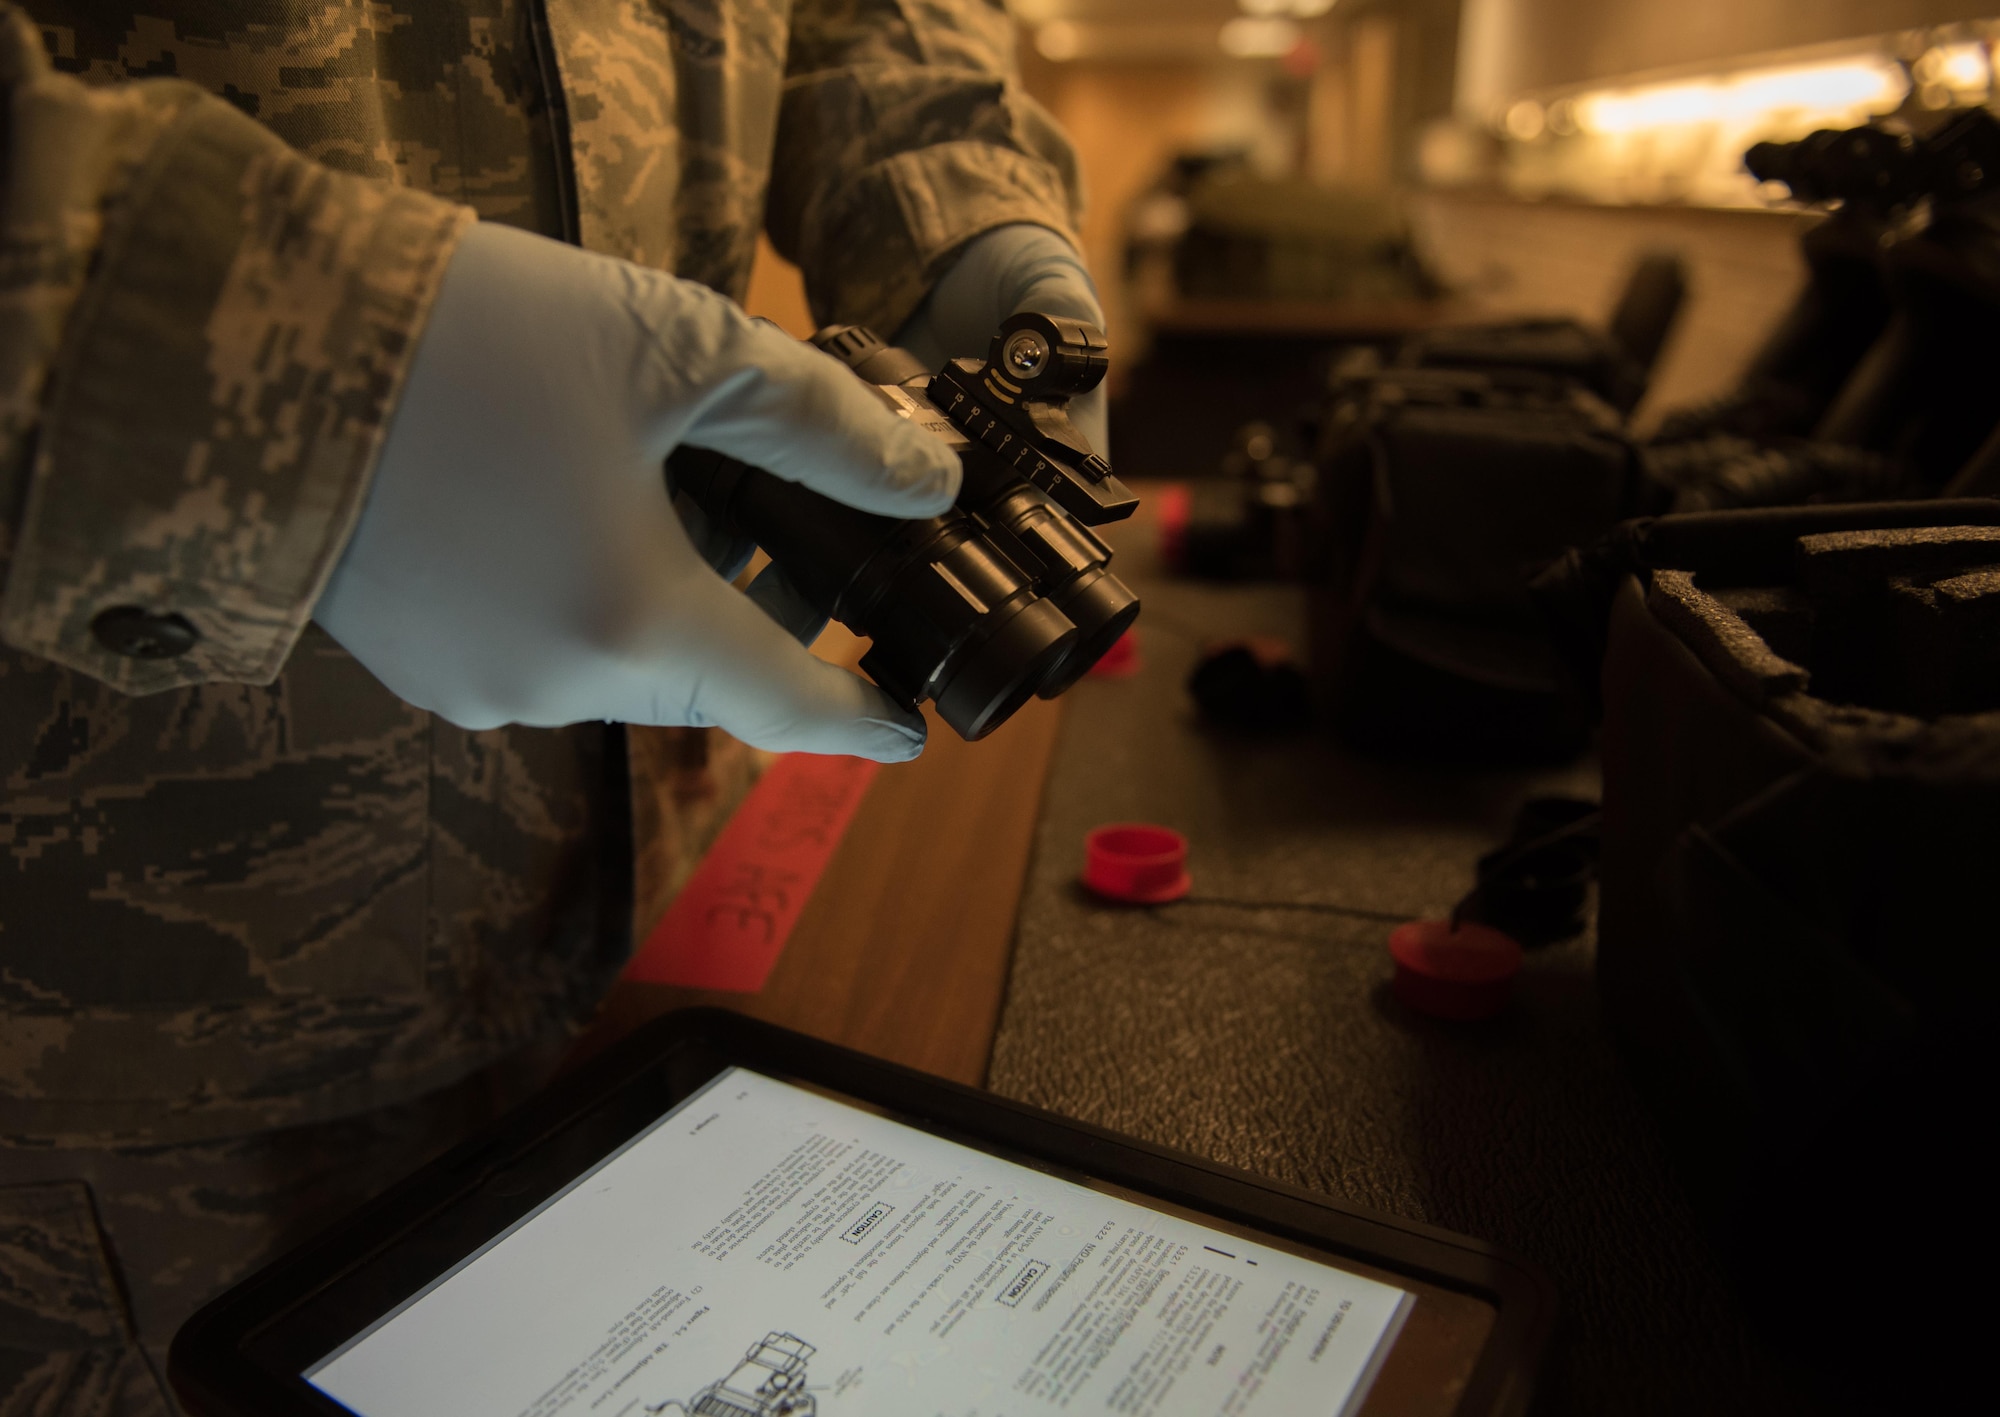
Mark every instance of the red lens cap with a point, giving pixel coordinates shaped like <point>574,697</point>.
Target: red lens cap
<point>1136,863</point>
<point>1121,661</point>
<point>1460,974</point>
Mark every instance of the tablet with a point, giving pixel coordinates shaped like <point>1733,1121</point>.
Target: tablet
<point>724,1219</point>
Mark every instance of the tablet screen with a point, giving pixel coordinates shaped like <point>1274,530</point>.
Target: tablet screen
<point>765,1250</point>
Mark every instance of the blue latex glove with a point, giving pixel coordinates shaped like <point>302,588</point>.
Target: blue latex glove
<point>518,559</point>
<point>1009,269</point>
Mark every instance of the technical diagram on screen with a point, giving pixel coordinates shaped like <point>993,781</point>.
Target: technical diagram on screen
<point>769,1382</point>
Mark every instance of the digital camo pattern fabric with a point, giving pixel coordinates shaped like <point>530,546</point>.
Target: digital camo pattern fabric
<point>873,138</point>
<point>671,110</point>
<point>105,1253</point>
<point>364,905</point>
<point>902,136</point>
<point>255,920</point>
<point>243,905</point>
<point>66,1342</point>
<point>444,98</point>
<point>207,404</point>
<point>232,907</point>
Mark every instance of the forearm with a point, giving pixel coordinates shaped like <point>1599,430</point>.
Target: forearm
<point>904,135</point>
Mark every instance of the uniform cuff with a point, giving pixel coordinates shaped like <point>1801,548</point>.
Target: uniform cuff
<point>215,412</point>
<point>868,272</point>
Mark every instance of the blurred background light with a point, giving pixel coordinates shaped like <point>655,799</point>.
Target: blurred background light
<point>1964,66</point>
<point>1950,75</point>
<point>1251,37</point>
<point>1059,40</point>
<point>1297,9</point>
<point>1805,93</point>
<point>1526,121</point>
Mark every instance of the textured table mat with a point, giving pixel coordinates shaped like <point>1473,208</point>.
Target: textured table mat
<point>1268,1039</point>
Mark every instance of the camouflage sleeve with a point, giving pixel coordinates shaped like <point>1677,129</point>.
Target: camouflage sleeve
<point>903,134</point>
<point>201,336</point>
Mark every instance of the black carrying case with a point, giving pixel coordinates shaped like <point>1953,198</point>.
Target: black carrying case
<point>1441,493</point>
<point>1797,941</point>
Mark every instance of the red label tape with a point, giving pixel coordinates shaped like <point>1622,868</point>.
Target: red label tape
<point>729,924</point>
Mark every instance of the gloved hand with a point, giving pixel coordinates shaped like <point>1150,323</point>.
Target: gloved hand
<point>518,559</point>
<point>1007,270</point>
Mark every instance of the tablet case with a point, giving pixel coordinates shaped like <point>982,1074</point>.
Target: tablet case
<point>222,1363</point>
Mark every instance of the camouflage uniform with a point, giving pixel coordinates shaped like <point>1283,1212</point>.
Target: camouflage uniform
<point>243,888</point>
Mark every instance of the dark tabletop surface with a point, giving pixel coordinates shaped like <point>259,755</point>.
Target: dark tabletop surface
<point>1268,1038</point>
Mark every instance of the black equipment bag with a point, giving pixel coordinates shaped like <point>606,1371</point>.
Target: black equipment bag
<point>1440,494</point>
<point>1615,362</point>
<point>1797,937</point>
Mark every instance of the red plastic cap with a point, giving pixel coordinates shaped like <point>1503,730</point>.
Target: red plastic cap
<point>1136,863</point>
<point>1121,661</point>
<point>1459,974</point>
